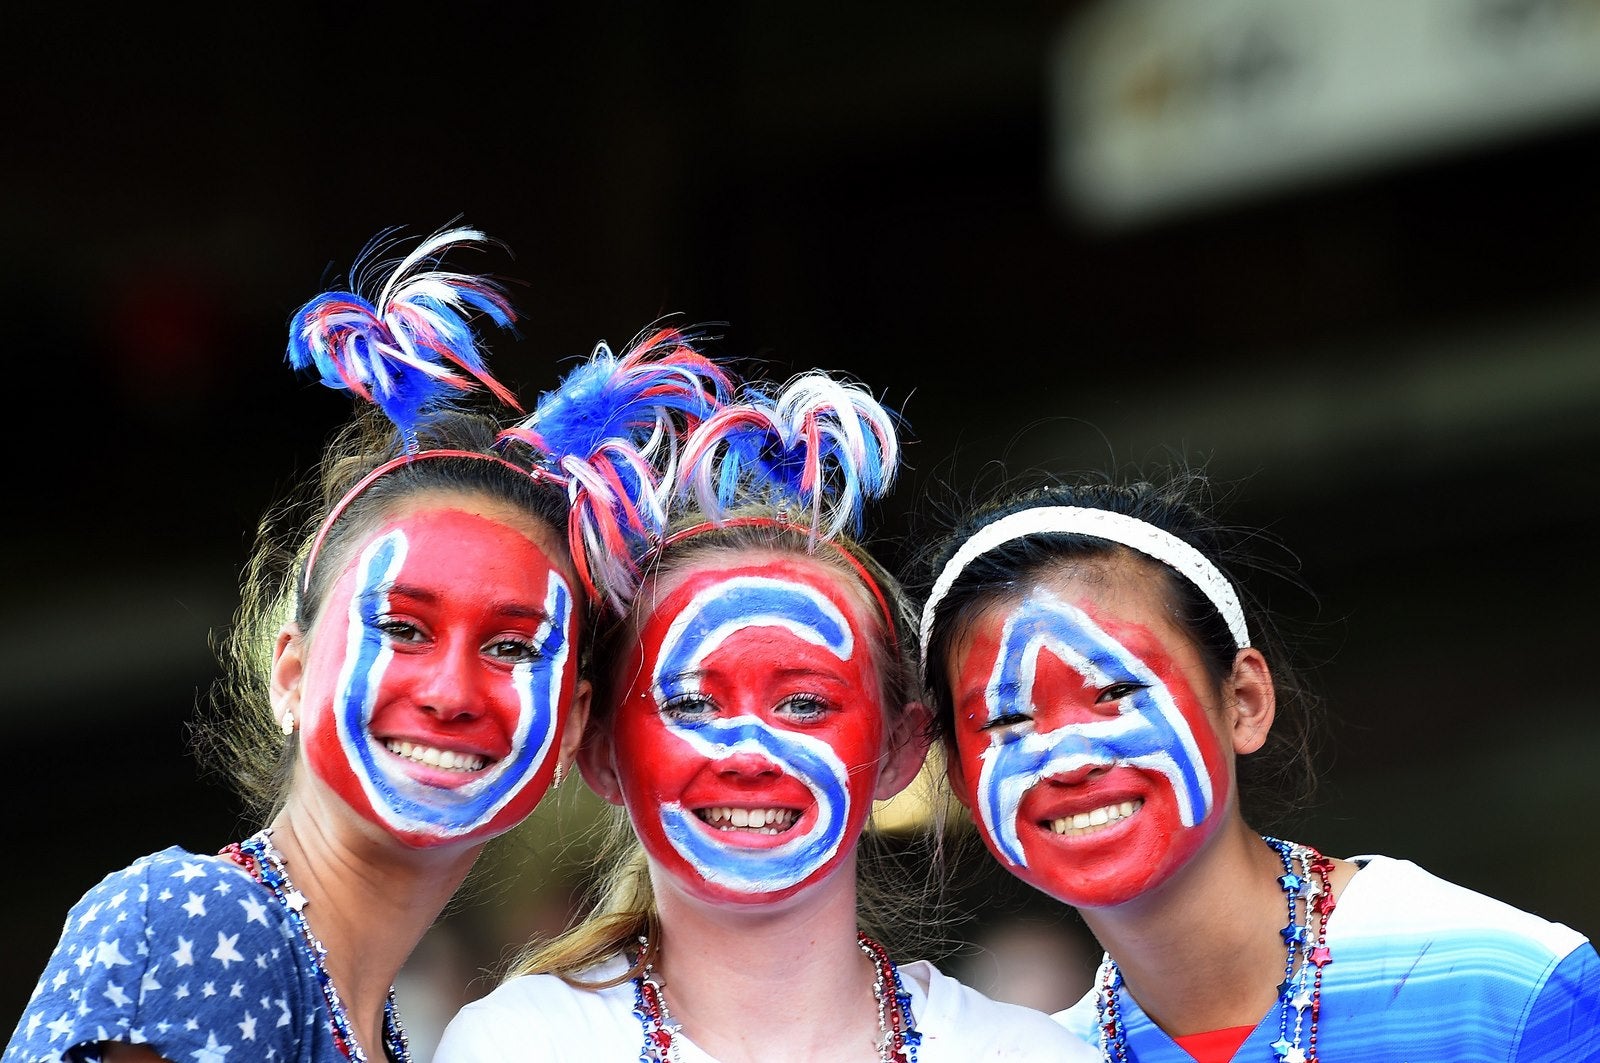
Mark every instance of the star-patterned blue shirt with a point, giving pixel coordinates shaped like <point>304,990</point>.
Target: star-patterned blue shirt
<point>187,954</point>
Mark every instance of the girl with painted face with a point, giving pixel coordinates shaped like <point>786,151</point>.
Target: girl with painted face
<point>1106,691</point>
<point>752,702</point>
<point>404,687</point>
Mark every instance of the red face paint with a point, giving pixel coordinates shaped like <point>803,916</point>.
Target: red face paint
<point>439,677</point>
<point>1090,762</point>
<point>748,741</point>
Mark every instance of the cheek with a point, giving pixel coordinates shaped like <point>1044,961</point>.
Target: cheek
<point>649,758</point>
<point>1212,760</point>
<point>968,753</point>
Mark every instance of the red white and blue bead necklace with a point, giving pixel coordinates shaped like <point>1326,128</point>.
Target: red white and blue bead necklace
<point>257,855</point>
<point>1305,944</point>
<point>898,1043</point>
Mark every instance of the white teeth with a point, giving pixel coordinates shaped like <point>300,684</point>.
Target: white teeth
<point>443,759</point>
<point>1084,822</point>
<point>761,820</point>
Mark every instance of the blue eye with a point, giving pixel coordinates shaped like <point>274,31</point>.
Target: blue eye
<point>688,707</point>
<point>806,708</point>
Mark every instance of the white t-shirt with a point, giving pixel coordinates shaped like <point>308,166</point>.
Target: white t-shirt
<point>539,1017</point>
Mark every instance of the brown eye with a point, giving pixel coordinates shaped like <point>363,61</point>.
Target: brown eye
<point>399,630</point>
<point>1118,691</point>
<point>513,650</point>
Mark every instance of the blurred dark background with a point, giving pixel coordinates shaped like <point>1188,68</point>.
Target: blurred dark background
<point>1342,256</point>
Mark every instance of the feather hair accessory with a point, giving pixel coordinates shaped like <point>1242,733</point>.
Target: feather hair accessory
<point>820,445</point>
<point>411,348</point>
<point>611,432</point>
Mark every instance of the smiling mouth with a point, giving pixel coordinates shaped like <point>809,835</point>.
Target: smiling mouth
<point>443,759</point>
<point>758,820</point>
<point>1095,819</point>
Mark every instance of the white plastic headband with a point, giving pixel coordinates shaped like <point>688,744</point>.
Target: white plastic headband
<point>1102,524</point>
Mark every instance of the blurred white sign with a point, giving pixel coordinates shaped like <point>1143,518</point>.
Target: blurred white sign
<point>1165,104</point>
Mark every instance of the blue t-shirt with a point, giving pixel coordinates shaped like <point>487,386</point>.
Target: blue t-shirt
<point>1423,970</point>
<point>187,954</point>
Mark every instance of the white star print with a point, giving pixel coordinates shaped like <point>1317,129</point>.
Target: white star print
<point>183,991</point>
<point>116,902</point>
<point>33,1022</point>
<point>255,911</point>
<point>184,956</point>
<point>60,1028</point>
<point>85,959</point>
<point>109,954</point>
<point>209,989</point>
<point>223,886</point>
<point>165,895</point>
<point>195,906</point>
<point>117,997</point>
<point>190,872</point>
<point>88,916</point>
<point>149,984</point>
<point>59,980</point>
<point>212,1052</point>
<point>236,990</point>
<point>225,953</point>
<point>247,1028</point>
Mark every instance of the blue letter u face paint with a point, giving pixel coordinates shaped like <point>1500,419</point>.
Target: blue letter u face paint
<point>450,639</point>
<point>1093,764</point>
<point>748,744</point>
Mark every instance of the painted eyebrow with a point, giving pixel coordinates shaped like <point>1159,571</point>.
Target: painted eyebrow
<point>979,692</point>
<point>519,610</point>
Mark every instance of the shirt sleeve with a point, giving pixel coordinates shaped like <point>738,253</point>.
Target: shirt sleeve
<point>1564,1018</point>
<point>181,952</point>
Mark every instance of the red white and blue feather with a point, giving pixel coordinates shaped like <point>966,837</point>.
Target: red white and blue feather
<point>819,446</point>
<point>411,348</point>
<point>611,431</point>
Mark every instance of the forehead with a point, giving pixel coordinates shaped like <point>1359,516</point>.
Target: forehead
<point>666,596</point>
<point>432,517</point>
<point>1122,592</point>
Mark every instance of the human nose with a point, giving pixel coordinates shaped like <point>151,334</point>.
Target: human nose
<point>451,686</point>
<point>1076,776</point>
<point>747,765</point>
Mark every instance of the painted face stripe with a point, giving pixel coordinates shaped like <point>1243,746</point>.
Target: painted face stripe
<point>401,802</point>
<point>1149,732</point>
<point>809,760</point>
<point>713,615</point>
<point>707,621</point>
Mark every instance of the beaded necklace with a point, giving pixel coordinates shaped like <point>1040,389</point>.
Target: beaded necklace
<point>1305,946</point>
<point>257,855</point>
<point>898,1043</point>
